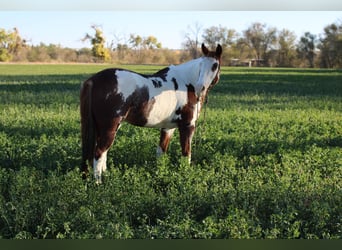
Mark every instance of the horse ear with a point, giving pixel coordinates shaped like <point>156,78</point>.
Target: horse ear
<point>218,50</point>
<point>205,50</point>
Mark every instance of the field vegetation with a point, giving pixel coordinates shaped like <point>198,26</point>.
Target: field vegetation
<point>267,161</point>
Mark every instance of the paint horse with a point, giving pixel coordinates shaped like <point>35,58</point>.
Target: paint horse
<point>169,99</point>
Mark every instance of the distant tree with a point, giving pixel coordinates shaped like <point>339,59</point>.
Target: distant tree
<point>191,43</point>
<point>10,44</point>
<point>143,47</point>
<point>121,49</point>
<point>241,50</point>
<point>136,41</point>
<point>54,51</point>
<point>331,46</point>
<point>84,55</point>
<point>218,34</point>
<point>119,45</point>
<point>224,36</point>
<point>306,48</point>
<point>260,39</point>
<point>287,48</point>
<point>152,42</point>
<point>100,52</point>
<point>67,55</point>
<point>39,53</point>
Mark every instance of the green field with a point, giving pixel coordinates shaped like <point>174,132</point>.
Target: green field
<point>267,161</point>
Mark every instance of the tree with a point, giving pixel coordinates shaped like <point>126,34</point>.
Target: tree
<point>144,47</point>
<point>121,50</point>
<point>227,38</point>
<point>260,40</point>
<point>120,45</point>
<point>136,44</point>
<point>10,44</point>
<point>99,51</point>
<point>287,48</point>
<point>84,55</point>
<point>306,48</point>
<point>151,42</point>
<point>331,46</point>
<point>191,42</point>
<point>136,41</point>
<point>218,34</point>
<point>241,50</point>
<point>139,43</point>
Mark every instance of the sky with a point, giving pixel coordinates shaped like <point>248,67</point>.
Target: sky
<point>68,27</point>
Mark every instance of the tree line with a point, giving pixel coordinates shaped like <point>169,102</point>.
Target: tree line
<point>258,45</point>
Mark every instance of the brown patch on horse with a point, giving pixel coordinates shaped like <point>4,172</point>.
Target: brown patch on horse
<point>164,140</point>
<point>98,93</point>
<point>106,119</point>
<point>187,112</point>
<point>192,98</point>
<point>185,134</point>
<point>111,104</point>
<point>105,96</point>
<point>139,107</point>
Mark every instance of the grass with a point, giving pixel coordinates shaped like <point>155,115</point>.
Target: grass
<point>266,161</point>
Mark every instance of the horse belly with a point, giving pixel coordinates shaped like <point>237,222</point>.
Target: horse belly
<point>163,112</point>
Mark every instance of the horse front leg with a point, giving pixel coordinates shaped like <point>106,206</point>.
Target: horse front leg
<point>186,133</point>
<point>165,138</point>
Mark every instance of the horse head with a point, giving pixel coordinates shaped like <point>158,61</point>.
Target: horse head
<point>209,69</point>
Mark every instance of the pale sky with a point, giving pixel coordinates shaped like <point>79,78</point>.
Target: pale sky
<point>67,26</point>
<point>172,5</point>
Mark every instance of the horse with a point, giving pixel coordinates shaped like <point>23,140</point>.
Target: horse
<point>169,99</point>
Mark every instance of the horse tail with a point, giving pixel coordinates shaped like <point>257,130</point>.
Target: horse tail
<point>87,126</point>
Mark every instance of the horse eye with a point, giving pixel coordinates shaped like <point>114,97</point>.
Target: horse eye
<point>214,67</point>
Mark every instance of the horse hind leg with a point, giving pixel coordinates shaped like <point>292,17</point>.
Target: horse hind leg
<point>105,139</point>
<point>100,166</point>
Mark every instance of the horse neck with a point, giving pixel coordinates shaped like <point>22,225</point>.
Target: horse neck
<point>188,71</point>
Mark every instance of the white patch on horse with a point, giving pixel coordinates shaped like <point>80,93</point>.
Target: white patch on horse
<point>109,94</point>
<point>100,166</point>
<point>128,82</point>
<point>163,110</point>
<point>166,103</point>
<point>159,151</point>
